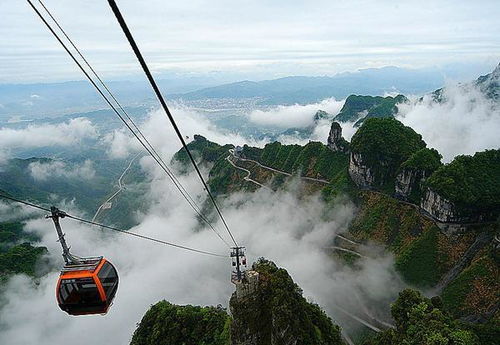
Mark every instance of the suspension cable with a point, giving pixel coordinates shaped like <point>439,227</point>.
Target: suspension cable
<point>151,150</point>
<point>157,91</point>
<point>113,97</point>
<point>114,228</point>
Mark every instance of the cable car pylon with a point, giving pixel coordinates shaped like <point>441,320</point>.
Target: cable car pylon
<point>237,253</point>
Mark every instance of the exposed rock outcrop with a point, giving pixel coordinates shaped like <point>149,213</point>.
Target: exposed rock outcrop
<point>440,208</point>
<point>446,211</point>
<point>361,174</point>
<point>408,181</point>
<point>336,142</point>
<point>413,173</point>
<point>277,313</point>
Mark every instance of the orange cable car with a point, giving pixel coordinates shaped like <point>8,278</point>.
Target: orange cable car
<point>86,285</point>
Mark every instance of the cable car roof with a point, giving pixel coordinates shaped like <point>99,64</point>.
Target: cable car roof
<point>86,264</point>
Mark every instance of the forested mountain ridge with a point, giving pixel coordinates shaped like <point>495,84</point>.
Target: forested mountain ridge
<point>389,177</point>
<point>273,311</point>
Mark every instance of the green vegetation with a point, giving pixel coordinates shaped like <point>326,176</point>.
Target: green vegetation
<point>224,177</point>
<point>17,255</point>
<point>418,264</point>
<point>202,149</point>
<point>385,144</point>
<point>472,183</point>
<point>17,180</point>
<point>475,290</point>
<point>278,311</point>
<point>167,324</point>
<point>313,160</point>
<point>21,258</point>
<point>424,159</point>
<point>422,253</point>
<point>419,166</point>
<point>372,106</point>
<point>419,321</point>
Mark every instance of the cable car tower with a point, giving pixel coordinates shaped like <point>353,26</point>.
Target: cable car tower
<point>239,260</point>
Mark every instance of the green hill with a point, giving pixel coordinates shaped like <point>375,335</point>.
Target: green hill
<point>359,108</point>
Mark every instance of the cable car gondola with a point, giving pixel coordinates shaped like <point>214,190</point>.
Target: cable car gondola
<point>86,285</point>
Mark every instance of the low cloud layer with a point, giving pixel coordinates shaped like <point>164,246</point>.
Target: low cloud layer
<point>288,116</point>
<point>43,171</point>
<point>466,122</point>
<point>63,134</point>
<point>150,272</point>
<point>161,135</point>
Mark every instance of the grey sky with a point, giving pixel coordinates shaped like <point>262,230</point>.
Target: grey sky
<point>256,38</point>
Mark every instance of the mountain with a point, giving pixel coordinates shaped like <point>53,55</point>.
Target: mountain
<point>420,320</point>
<point>166,323</point>
<point>359,108</point>
<point>303,90</point>
<point>490,84</point>
<point>437,243</point>
<point>266,308</point>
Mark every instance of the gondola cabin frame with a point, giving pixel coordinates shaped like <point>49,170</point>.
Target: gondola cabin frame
<point>87,287</point>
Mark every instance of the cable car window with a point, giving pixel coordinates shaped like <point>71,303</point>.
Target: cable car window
<point>79,291</point>
<point>109,279</point>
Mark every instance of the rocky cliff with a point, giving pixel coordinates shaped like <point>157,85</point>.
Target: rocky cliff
<point>275,312</point>
<point>361,174</point>
<point>465,190</point>
<point>378,149</point>
<point>439,207</point>
<point>335,141</point>
<point>266,308</point>
<point>414,172</point>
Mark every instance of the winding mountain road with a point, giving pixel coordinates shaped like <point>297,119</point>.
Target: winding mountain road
<point>231,151</point>
<point>107,204</point>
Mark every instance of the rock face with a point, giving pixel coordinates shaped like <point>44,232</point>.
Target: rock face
<point>361,174</point>
<point>335,141</point>
<point>275,312</point>
<point>439,207</point>
<point>408,181</point>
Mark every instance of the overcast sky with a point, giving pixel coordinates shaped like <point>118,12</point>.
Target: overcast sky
<point>256,38</point>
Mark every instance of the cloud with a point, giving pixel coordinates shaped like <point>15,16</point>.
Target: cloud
<point>150,272</point>
<point>294,115</point>
<point>43,171</point>
<point>68,133</point>
<point>466,122</point>
<point>205,36</point>
<point>160,134</point>
<point>13,212</point>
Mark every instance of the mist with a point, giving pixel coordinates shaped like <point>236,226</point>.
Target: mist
<point>297,115</point>
<point>41,171</point>
<point>68,133</point>
<point>150,272</point>
<point>464,123</point>
<point>163,137</point>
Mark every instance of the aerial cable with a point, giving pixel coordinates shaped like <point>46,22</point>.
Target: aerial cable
<point>163,165</point>
<point>158,160</point>
<point>24,202</point>
<point>114,228</point>
<point>107,90</point>
<point>149,76</point>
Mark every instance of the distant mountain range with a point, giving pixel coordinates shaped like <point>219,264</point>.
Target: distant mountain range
<point>303,90</point>
<point>54,99</point>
